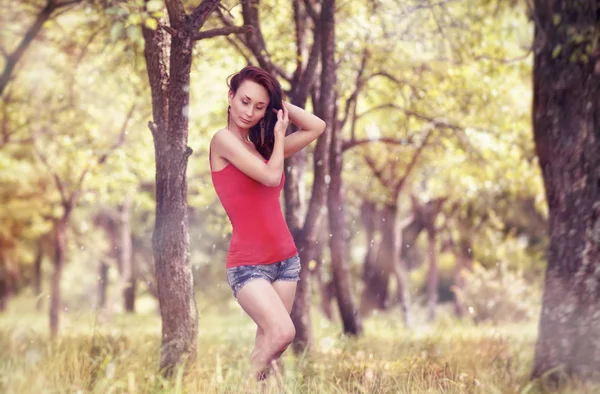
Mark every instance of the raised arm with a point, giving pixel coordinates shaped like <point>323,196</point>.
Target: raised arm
<point>311,127</point>
<point>226,144</point>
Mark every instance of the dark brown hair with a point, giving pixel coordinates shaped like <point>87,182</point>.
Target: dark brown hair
<point>263,142</point>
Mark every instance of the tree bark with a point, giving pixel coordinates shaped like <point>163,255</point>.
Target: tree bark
<point>433,276</point>
<point>378,263</point>
<point>566,109</point>
<point>126,256</point>
<point>102,283</point>
<point>168,62</point>
<point>37,276</point>
<point>7,279</point>
<point>338,242</point>
<point>170,240</point>
<point>59,260</point>
<point>464,263</point>
<point>308,236</point>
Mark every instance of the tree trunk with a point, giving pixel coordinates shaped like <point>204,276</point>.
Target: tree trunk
<point>338,243</point>
<point>464,262</point>
<point>398,263</point>
<point>59,260</point>
<point>378,266</point>
<point>102,283</point>
<point>309,235</point>
<point>125,256</point>
<point>325,287</point>
<point>371,299</point>
<point>433,276</point>
<point>6,280</point>
<point>170,239</point>
<point>566,122</point>
<point>37,277</point>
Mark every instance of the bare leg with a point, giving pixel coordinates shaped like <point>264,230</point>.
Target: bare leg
<point>286,290</point>
<point>276,331</point>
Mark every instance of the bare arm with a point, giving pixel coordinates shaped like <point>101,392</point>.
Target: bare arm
<point>311,127</point>
<point>227,145</point>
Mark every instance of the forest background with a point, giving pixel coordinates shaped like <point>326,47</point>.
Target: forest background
<point>421,214</point>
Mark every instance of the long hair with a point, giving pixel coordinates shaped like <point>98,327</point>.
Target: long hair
<point>262,136</point>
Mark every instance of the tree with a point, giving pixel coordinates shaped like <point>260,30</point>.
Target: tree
<point>566,127</point>
<point>11,59</point>
<point>168,54</point>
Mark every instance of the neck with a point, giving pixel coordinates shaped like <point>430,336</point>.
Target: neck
<point>242,133</point>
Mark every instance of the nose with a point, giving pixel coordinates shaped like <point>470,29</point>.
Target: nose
<point>249,113</point>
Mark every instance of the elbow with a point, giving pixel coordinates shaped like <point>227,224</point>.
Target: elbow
<point>273,180</point>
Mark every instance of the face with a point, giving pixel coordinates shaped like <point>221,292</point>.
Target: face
<point>248,105</point>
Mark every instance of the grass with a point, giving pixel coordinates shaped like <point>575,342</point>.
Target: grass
<point>119,354</point>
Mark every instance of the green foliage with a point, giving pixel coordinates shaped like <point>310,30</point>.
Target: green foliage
<point>499,296</point>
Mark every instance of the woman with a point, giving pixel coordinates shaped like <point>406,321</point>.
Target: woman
<point>246,161</point>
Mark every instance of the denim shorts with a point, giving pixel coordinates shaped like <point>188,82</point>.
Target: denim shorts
<point>286,270</point>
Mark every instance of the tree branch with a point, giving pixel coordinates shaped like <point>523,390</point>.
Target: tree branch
<point>176,13</point>
<point>359,84</point>
<point>312,11</point>
<point>57,180</point>
<point>66,3</point>
<point>202,12</point>
<point>255,41</point>
<point>116,145</point>
<point>385,140</point>
<point>415,157</point>
<point>222,31</point>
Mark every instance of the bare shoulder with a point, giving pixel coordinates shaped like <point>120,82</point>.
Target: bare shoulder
<point>221,136</point>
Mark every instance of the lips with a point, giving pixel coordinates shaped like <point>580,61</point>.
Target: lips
<point>244,120</point>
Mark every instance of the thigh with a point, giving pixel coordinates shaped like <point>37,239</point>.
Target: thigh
<point>263,304</point>
<point>286,290</point>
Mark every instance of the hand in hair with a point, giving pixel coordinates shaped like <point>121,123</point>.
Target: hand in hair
<point>283,121</point>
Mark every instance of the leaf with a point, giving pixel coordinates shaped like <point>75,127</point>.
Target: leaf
<point>133,32</point>
<point>154,5</point>
<point>557,19</point>
<point>135,19</point>
<point>557,50</point>
<point>151,23</point>
<point>116,31</point>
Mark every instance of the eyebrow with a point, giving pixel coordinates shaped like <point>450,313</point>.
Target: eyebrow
<point>260,102</point>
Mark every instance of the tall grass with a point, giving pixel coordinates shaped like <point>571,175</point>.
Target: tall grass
<point>96,354</point>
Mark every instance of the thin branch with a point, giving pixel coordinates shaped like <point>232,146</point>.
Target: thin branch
<point>354,96</point>
<point>505,61</point>
<point>116,145</point>
<point>256,43</point>
<point>67,3</point>
<point>376,171</point>
<point>238,49</point>
<point>222,31</point>
<point>57,180</point>
<point>202,12</point>
<point>427,118</point>
<point>385,140</point>
<point>228,21</point>
<point>413,161</point>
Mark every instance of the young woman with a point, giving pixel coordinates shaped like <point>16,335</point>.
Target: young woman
<point>246,161</point>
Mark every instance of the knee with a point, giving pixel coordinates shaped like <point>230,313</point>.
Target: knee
<point>282,336</point>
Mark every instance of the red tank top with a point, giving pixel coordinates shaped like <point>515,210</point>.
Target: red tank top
<point>260,234</point>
